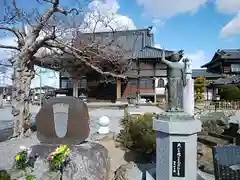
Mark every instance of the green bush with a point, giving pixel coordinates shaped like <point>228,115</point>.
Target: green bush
<point>200,84</point>
<point>230,92</point>
<point>137,133</point>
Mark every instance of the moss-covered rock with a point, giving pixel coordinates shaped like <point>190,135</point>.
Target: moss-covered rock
<point>51,176</point>
<point>16,174</point>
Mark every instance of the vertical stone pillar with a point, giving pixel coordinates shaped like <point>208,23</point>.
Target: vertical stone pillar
<point>75,87</point>
<point>118,88</point>
<point>176,146</point>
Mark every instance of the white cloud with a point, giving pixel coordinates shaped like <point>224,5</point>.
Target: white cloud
<point>157,23</point>
<point>198,58</point>
<point>157,46</point>
<point>170,8</point>
<point>228,6</point>
<point>232,28</point>
<point>162,9</point>
<point>105,17</point>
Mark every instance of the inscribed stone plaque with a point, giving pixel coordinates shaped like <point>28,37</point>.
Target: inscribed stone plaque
<point>178,159</point>
<point>63,120</point>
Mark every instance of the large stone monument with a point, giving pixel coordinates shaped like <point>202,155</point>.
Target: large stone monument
<point>65,120</point>
<point>176,130</point>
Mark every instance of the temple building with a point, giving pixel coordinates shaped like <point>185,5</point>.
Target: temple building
<point>226,61</point>
<point>146,75</point>
<point>225,66</point>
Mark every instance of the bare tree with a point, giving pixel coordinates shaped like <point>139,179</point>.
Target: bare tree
<point>47,38</point>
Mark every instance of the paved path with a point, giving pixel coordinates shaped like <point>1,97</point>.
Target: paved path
<point>144,109</point>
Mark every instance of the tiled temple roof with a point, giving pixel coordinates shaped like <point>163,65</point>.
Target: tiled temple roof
<point>204,73</point>
<point>140,44</point>
<point>227,80</point>
<point>230,54</point>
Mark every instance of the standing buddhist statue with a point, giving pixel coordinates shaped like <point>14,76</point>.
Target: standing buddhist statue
<point>176,77</point>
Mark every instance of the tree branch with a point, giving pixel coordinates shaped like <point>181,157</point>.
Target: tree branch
<point>45,18</point>
<point>12,30</point>
<point>9,47</point>
<point>41,42</point>
<point>75,53</point>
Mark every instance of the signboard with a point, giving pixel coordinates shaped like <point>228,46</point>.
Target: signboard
<point>178,159</point>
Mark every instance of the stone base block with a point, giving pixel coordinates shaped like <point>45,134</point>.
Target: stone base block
<point>177,123</point>
<point>176,146</point>
<point>88,161</point>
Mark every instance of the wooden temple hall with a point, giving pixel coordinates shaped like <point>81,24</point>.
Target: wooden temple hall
<point>146,75</point>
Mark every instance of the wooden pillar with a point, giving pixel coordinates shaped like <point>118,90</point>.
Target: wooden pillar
<point>118,88</point>
<point>155,89</point>
<point>154,83</point>
<point>75,87</point>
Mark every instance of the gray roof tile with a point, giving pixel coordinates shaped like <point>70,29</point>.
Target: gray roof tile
<point>229,53</point>
<point>130,40</point>
<point>225,54</point>
<point>140,42</point>
<point>152,52</point>
<point>227,80</point>
<point>203,73</point>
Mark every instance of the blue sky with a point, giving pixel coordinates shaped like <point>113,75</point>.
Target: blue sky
<point>198,30</point>
<point>199,27</point>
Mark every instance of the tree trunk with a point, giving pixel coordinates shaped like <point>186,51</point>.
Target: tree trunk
<point>22,76</point>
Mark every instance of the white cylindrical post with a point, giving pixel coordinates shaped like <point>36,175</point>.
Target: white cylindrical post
<point>188,92</point>
<point>188,97</point>
<point>104,123</point>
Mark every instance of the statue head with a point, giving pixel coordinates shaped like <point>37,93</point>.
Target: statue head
<point>176,56</point>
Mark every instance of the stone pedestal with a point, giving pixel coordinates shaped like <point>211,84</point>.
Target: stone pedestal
<point>176,146</point>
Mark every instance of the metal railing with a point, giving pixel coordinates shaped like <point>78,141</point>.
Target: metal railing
<point>222,105</point>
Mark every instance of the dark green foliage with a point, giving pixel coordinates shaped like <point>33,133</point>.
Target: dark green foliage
<point>229,92</point>
<point>4,175</point>
<point>30,177</point>
<point>137,133</point>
